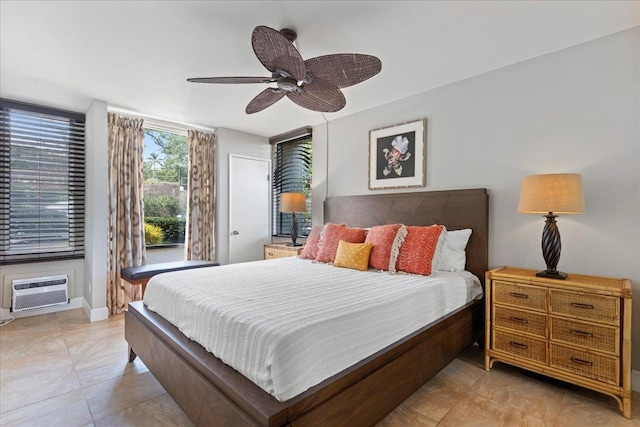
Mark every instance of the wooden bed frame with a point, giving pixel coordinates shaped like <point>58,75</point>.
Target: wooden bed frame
<point>212,393</point>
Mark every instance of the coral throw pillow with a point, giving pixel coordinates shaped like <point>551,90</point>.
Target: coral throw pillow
<point>310,250</point>
<point>331,236</point>
<point>386,241</point>
<point>418,250</point>
<point>353,255</point>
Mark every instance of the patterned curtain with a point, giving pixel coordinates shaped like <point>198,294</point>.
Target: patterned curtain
<point>200,236</point>
<point>126,218</point>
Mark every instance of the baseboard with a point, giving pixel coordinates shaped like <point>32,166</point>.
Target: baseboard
<point>635,380</point>
<point>95,314</point>
<point>72,304</point>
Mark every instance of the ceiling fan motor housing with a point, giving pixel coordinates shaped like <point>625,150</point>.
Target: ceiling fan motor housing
<point>289,34</point>
<point>288,84</point>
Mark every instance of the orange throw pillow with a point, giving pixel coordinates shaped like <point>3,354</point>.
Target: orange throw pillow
<point>353,255</point>
<point>418,249</point>
<point>386,241</point>
<point>310,250</point>
<point>331,236</point>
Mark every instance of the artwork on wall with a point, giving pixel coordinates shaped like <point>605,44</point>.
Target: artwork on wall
<point>397,156</point>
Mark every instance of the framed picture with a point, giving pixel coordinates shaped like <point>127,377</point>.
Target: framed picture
<point>397,156</point>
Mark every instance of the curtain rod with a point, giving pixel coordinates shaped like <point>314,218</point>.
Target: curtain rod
<point>160,122</point>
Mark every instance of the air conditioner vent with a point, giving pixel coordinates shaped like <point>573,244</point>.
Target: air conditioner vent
<point>39,292</point>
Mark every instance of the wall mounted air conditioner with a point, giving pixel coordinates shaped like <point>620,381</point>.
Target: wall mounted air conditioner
<point>39,292</point>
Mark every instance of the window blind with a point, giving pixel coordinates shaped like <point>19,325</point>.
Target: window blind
<point>292,166</point>
<point>42,183</point>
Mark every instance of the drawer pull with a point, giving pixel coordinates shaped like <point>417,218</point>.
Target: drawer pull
<point>518,320</point>
<point>517,295</point>
<point>581,361</point>
<point>582,305</point>
<point>581,333</point>
<point>518,345</point>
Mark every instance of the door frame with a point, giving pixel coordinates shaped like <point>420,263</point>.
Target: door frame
<point>230,183</point>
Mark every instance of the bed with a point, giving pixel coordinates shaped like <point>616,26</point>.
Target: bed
<point>212,393</point>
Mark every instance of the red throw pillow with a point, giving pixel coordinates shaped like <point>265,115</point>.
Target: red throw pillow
<point>386,241</point>
<point>310,250</point>
<point>331,236</point>
<point>418,249</point>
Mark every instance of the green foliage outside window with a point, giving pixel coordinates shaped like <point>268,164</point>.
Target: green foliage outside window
<point>153,234</point>
<point>164,205</point>
<point>172,228</point>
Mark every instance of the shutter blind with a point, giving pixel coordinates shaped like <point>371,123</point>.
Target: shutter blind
<point>292,174</point>
<point>42,183</point>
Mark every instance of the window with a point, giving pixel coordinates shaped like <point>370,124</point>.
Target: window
<point>165,171</point>
<point>41,183</point>
<point>292,167</point>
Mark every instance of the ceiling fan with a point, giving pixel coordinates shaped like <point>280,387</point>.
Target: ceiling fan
<point>313,84</point>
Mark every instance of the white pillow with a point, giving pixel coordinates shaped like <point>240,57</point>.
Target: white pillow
<point>437,255</point>
<point>453,257</point>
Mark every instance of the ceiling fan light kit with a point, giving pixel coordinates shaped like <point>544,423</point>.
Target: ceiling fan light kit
<point>313,84</point>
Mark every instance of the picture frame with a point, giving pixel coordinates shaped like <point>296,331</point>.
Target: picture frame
<point>397,156</point>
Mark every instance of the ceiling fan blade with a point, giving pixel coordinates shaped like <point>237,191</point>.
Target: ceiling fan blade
<point>324,99</point>
<point>264,99</point>
<point>231,80</point>
<point>344,69</point>
<point>277,53</point>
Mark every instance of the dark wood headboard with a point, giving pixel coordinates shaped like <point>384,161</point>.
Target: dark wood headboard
<point>455,209</point>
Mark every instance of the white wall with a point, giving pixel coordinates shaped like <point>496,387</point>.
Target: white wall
<point>96,211</point>
<point>231,142</point>
<point>576,110</point>
<point>319,177</point>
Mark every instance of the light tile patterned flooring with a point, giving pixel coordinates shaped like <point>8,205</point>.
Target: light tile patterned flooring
<point>60,370</point>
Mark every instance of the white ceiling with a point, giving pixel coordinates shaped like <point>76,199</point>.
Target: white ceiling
<point>136,55</point>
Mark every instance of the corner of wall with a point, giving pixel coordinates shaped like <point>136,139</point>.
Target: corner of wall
<point>96,202</point>
<point>96,314</point>
<point>319,179</point>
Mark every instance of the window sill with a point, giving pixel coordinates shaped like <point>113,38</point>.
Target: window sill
<point>165,246</point>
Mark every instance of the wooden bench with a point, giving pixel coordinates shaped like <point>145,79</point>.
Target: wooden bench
<point>140,275</point>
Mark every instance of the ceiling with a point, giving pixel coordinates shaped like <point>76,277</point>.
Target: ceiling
<point>137,55</point>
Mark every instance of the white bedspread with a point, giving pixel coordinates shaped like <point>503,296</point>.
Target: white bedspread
<point>287,324</point>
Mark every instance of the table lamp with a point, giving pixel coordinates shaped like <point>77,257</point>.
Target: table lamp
<point>292,203</point>
<point>551,195</point>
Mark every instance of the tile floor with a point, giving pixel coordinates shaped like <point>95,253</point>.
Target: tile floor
<point>60,370</point>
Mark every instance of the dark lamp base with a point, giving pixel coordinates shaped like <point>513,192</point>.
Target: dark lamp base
<point>294,244</point>
<point>552,274</point>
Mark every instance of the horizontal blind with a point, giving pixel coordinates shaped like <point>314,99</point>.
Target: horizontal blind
<point>42,183</point>
<point>292,161</point>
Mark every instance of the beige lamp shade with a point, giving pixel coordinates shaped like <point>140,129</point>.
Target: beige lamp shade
<point>556,193</point>
<point>293,202</point>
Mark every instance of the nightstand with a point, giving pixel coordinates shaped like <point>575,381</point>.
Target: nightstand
<point>576,330</point>
<point>281,250</point>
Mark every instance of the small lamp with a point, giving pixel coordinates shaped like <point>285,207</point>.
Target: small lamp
<point>551,195</point>
<point>292,203</point>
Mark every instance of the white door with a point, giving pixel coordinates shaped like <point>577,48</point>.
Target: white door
<point>248,208</point>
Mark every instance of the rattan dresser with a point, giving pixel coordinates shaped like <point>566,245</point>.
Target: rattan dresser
<point>577,330</point>
<point>281,250</point>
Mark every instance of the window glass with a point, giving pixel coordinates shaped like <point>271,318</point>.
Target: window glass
<point>165,171</point>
